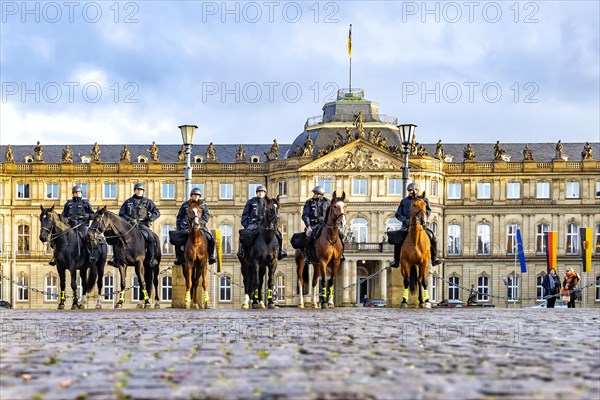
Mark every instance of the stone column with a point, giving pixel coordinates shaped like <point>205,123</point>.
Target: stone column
<point>346,277</point>
<point>353,280</point>
<point>382,281</point>
<point>178,287</point>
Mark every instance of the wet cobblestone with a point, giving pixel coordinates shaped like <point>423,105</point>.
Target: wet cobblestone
<point>347,353</point>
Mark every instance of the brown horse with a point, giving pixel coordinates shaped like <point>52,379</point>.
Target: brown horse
<point>195,258</point>
<point>327,251</point>
<point>416,252</point>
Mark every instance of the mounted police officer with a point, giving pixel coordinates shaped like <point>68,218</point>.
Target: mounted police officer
<point>142,211</point>
<point>78,211</point>
<point>314,214</point>
<point>403,215</point>
<point>253,214</point>
<point>182,225</point>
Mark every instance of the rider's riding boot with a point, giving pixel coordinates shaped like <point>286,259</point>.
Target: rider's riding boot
<point>91,257</point>
<point>178,256</point>
<point>282,253</point>
<point>151,259</point>
<point>396,262</point>
<point>434,258</point>
<point>241,252</point>
<point>111,261</point>
<point>211,250</point>
<point>52,262</point>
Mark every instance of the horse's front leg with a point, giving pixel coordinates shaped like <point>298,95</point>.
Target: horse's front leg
<point>270,285</point>
<point>315,281</point>
<point>423,283</point>
<point>331,283</point>
<point>247,285</point>
<point>83,279</point>
<point>100,282</point>
<point>256,286</point>
<point>186,266</point>
<point>299,258</point>
<point>205,299</point>
<point>123,272</point>
<point>405,268</point>
<point>63,283</point>
<point>73,273</point>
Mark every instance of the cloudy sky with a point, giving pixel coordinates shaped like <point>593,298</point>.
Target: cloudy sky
<point>248,72</point>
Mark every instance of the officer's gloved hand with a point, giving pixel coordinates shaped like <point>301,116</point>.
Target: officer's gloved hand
<point>308,229</point>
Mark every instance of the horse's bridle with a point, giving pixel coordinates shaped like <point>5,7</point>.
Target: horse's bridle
<point>193,222</point>
<point>420,220</point>
<point>56,236</point>
<point>336,220</point>
<point>271,218</point>
<point>107,226</point>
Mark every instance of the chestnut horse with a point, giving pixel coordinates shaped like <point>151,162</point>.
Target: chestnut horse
<point>327,251</point>
<point>195,258</point>
<point>415,253</point>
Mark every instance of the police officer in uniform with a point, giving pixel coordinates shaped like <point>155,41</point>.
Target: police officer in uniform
<point>78,211</point>
<point>141,210</point>
<point>182,225</point>
<point>314,213</point>
<point>253,213</point>
<point>403,215</point>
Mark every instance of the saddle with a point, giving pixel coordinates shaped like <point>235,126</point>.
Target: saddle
<point>248,236</point>
<point>179,238</point>
<point>299,241</point>
<point>396,237</point>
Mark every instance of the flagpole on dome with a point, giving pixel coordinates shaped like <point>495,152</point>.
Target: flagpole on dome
<point>350,54</point>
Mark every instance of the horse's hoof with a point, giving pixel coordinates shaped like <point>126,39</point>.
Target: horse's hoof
<point>98,306</point>
<point>315,305</point>
<point>206,306</point>
<point>147,305</point>
<point>323,305</point>
<point>261,305</point>
<point>426,305</point>
<point>404,305</point>
<point>245,306</point>
<point>254,306</point>
<point>187,305</point>
<point>119,305</point>
<point>195,306</point>
<point>331,305</point>
<point>81,307</point>
<point>156,305</point>
<point>300,305</point>
<point>61,306</point>
<point>139,305</point>
<point>75,306</point>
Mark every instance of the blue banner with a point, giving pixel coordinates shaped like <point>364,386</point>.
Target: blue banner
<point>521,251</point>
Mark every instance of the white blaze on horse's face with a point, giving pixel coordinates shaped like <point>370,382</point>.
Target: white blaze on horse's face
<point>196,220</point>
<point>342,215</point>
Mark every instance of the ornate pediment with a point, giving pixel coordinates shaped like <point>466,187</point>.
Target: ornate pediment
<point>358,156</point>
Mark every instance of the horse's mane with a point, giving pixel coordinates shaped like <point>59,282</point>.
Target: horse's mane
<point>58,217</point>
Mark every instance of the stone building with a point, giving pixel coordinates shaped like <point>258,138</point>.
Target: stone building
<point>479,194</point>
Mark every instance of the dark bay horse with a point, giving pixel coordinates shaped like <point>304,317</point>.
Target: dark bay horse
<point>416,253</point>
<point>195,258</point>
<point>327,252</point>
<point>262,257</point>
<point>71,254</point>
<point>129,248</point>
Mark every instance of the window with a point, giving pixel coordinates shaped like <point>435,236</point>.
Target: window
<point>483,288</point>
<point>395,186</point>
<point>252,189</point>
<point>51,288</point>
<point>199,186</point>
<point>541,230</point>
<point>359,227</point>
<point>1,247</point>
<point>226,191</point>
<point>109,287</point>
<point>135,289</point>
<point>280,287</point>
<point>393,224</point>
<point>224,288</point>
<point>572,246</point>
<point>227,239</point>
<point>572,190</point>
<point>434,288</point>
<point>167,288</point>
<point>454,240</point>
<point>597,190</point>
<point>23,288</point>
<point>511,239</point>
<point>52,191</point>
<point>167,248</point>
<point>484,190</point>
<point>359,186</point>
<point>434,228</point>
<point>110,190</point>
<point>483,240</point>
<point>168,191</point>
<point>542,190</point>
<point>84,189</point>
<point>453,287</point>
<point>454,190</point>
<point>23,239</point>
<point>597,239</point>
<point>539,289</point>
<point>22,190</point>
<point>327,184</point>
<point>434,188</point>
<point>512,287</point>
<point>598,288</point>
<point>284,231</point>
<point>513,190</point>
<point>282,188</point>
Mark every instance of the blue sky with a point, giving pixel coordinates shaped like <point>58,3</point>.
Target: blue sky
<point>248,72</point>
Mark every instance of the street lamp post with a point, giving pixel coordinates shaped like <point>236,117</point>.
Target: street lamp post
<point>406,132</point>
<point>187,134</point>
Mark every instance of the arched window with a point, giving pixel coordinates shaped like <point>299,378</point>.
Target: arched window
<point>393,224</point>
<point>454,246</point>
<point>359,229</point>
<point>453,287</point>
<point>280,287</point>
<point>572,245</point>
<point>539,289</point>
<point>167,248</point>
<point>51,287</point>
<point>483,240</point>
<point>483,287</point>
<point>512,287</point>
<point>167,288</point>
<point>23,239</point>
<point>227,239</point>
<point>109,287</point>
<point>540,243</point>
<point>225,288</point>
<point>434,188</point>
<point>23,291</point>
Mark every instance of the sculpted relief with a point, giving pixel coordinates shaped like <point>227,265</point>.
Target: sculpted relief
<point>360,158</point>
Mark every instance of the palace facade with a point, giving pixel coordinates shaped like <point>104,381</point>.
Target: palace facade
<point>480,193</point>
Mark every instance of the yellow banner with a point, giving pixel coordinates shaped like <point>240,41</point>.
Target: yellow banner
<point>350,41</point>
<point>587,245</point>
<point>218,245</point>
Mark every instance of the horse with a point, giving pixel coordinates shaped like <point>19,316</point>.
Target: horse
<point>72,254</point>
<point>327,251</point>
<point>128,249</point>
<point>416,253</point>
<point>262,256</point>
<point>195,257</point>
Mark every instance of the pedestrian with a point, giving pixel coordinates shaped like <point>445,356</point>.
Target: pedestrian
<point>182,225</point>
<point>569,285</point>
<point>551,285</point>
<point>365,300</point>
<point>472,296</point>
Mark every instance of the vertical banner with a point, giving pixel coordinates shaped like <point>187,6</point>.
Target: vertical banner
<point>521,251</point>
<point>218,245</point>
<point>350,41</point>
<point>551,249</point>
<point>586,248</point>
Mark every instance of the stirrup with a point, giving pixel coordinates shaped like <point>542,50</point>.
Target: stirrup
<point>395,264</point>
<point>437,262</point>
<point>111,262</point>
<point>176,262</point>
<point>211,260</point>
<point>52,262</point>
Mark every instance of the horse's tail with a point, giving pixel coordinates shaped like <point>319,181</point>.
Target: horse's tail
<point>413,282</point>
<point>91,278</point>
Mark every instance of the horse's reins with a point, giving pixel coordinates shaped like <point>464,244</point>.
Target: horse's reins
<point>335,224</point>
<point>417,213</point>
<point>109,225</point>
<point>56,236</point>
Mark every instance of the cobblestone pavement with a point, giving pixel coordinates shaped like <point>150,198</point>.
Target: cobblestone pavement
<point>344,353</point>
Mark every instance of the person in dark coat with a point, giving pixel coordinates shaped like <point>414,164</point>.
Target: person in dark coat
<point>182,225</point>
<point>551,285</point>
<point>570,285</point>
<point>314,213</point>
<point>252,216</point>
<point>403,215</point>
<point>141,211</point>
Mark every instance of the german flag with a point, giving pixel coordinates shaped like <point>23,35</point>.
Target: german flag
<point>552,249</point>
<point>586,248</point>
<point>350,41</point>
